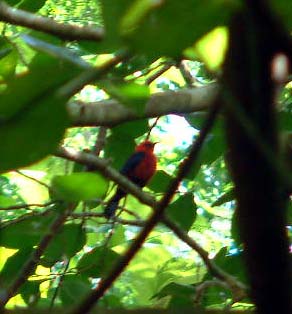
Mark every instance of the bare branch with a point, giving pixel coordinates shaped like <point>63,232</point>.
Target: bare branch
<point>111,112</point>
<point>102,165</point>
<point>46,25</point>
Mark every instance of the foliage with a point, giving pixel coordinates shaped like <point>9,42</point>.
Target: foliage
<point>36,72</point>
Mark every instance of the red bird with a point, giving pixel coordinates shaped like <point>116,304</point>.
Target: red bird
<point>139,168</point>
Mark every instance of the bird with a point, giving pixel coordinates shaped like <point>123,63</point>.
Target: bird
<point>139,168</point>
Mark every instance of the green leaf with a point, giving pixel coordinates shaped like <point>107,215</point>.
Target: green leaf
<point>73,289</point>
<point>167,28</point>
<point>34,117</point>
<point>183,211</point>
<point>30,292</point>
<point>130,94</point>
<point>231,263</point>
<point>160,181</point>
<point>79,186</point>
<point>112,13</point>
<point>26,232</point>
<point>66,243</point>
<point>118,236</point>
<point>8,64</point>
<point>176,289</point>
<point>31,5</point>
<point>98,262</point>
<point>13,265</point>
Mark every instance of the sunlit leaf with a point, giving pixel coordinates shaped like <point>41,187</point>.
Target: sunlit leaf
<point>79,186</point>
<point>131,95</point>
<point>159,27</point>
<point>13,265</point>
<point>31,109</point>
<point>212,47</point>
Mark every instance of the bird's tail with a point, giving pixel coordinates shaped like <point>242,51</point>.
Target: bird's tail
<point>110,209</point>
<point>113,203</point>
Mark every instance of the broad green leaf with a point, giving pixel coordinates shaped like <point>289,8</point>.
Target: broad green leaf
<point>175,289</point>
<point>160,181</point>
<point>73,289</point>
<point>112,13</point>
<point>34,117</point>
<point>26,232</point>
<point>212,47</point>
<point>167,28</point>
<point>30,292</point>
<point>183,211</point>
<point>131,95</point>
<point>31,5</point>
<point>66,243</point>
<point>13,2</point>
<point>231,263</point>
<point>98,262</point>
<point>13,265</point>
<point>79,186</point>
<point>118,236</point>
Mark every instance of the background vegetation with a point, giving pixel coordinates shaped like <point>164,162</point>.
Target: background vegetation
<point>81,83</point>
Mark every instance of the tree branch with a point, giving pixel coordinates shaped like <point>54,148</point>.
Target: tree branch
<point>156,216</point>
<point>31,264</point>
<point>111,112</point>
<point>64,31</point>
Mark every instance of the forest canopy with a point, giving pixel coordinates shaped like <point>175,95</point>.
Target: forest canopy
<point>82,83</point>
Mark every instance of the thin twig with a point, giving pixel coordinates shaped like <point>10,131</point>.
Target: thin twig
<point>61,279</point>
<point>100,140</point>
<point>22,206</point>
<point>64,31</point>
<point>91,75</point>
<point>158,73</point>
<point>33,179</point>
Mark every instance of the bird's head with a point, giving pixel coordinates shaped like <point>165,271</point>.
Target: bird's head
<point>146,146</point>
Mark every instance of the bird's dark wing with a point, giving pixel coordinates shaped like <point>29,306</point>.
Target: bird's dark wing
<point>133,161</point>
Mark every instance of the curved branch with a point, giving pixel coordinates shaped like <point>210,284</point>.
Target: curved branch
<point>64,31</point>
<point>111,112</point>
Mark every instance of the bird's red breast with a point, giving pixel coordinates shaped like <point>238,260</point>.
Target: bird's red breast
<point>146,168</point>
